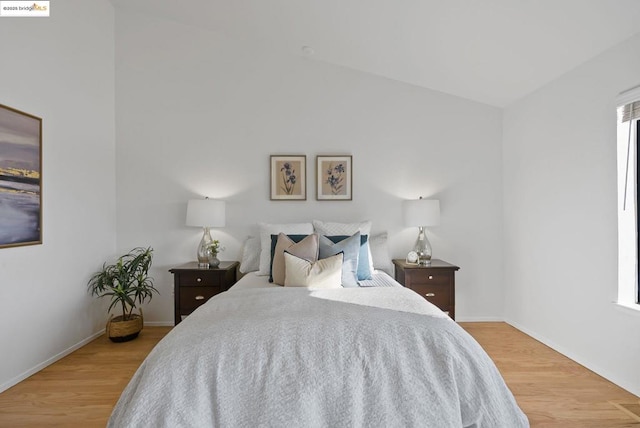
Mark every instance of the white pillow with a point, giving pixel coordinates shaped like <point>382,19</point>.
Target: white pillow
<point>325,273</point>
<point>332,229</point>
<point>268,229</point>
<point>250,260</point>
<point>380,253</point>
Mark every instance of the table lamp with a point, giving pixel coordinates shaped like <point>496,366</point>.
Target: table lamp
<point>205,213</point>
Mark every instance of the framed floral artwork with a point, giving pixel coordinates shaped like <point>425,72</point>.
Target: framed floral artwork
<point>288,178</point>
<point>334,178</point>
<point>20,178</point>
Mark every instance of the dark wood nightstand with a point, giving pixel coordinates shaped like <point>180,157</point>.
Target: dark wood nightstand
<point>436,283</point>
<point>193,286</point>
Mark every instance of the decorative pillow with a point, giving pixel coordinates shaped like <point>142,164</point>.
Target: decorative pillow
<point>363,270</point>
<point>325,273</point>
<point>250,260</point>
<point>348,229</point>
<point>274,241</point>
<point>380,253</point>
<point>306,248</point>
<point>268,229</point>
<point>350,247</point>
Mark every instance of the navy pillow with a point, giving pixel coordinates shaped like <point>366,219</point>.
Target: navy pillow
<point>274,241</point>
<point>364,271</point>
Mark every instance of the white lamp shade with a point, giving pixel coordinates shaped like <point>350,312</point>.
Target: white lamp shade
<point>421,212</point>
<point>206,213</point>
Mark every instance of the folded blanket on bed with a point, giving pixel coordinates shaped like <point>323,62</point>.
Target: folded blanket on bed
<point>290,357</point>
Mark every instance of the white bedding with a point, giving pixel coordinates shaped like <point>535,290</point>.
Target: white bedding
<point>295,357</point>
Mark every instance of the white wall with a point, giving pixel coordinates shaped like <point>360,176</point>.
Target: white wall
<point>198,115</point>
<point>61,69</point>
<point>560,232</point>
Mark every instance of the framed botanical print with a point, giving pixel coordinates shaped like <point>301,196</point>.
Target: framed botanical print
<point>334,178</point>
<point>288,177</point>
<point>20,178</point>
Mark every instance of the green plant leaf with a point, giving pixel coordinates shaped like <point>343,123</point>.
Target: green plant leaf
<point>126,281</point>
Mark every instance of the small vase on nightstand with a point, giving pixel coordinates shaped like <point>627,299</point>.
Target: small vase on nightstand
<point>213,260</point>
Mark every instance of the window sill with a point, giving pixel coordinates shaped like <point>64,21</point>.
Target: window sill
<point>629,308</point>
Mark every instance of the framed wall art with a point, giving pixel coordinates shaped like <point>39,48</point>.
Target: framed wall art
<point>20,178</point>
<point>334,178</point>
<point>288,178</point>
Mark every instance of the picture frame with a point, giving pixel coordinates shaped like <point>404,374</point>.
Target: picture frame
<point>288,177</point>
<point>334,177</point>
<point>20,178</point>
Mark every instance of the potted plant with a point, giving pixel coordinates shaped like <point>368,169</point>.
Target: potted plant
<point>128,284</point>
<point>214,249</point>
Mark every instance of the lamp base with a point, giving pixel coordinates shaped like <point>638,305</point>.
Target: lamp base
<point>203,248</point>
<point>423,248</point>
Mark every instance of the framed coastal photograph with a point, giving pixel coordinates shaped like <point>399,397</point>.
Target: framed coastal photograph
<point>288,177</point>
<point>20,178</point>
<point>334,178</point>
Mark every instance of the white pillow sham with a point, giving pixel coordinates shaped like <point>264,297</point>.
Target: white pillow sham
<point>380,255</point>
<point>250,261</point>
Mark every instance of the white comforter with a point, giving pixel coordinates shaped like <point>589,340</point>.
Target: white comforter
<point>291,357</point>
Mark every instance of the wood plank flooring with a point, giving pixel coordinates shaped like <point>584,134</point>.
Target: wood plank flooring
<point>551,389</point>
<point>81,389</point>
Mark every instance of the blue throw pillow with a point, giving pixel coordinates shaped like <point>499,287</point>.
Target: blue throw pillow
<point>364,271</point>
<point>350,247</point>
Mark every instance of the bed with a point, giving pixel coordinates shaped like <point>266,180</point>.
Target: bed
<point>265,355</point>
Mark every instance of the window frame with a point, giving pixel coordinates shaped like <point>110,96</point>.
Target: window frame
<point>627,210</point>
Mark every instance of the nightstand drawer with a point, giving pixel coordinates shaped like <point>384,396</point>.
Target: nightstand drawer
<point>204,278</point>
<point>429,277</point>
<point>438,294</point>
<point>192,297</point>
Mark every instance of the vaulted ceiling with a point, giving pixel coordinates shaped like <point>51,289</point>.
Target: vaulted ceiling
<point>490,51</point>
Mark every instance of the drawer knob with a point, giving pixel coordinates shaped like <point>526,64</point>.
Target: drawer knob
<point>199,279</point>
<point>199,297</point>
<point>430,295</point>
<point>430,276</point>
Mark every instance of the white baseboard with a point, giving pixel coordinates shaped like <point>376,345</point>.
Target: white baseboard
<point>159,324</point>
<point>622,383</point>
<point>48,362</point>
<point>479,319</point>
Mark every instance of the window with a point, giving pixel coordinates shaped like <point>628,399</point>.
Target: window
<point>628,130</point>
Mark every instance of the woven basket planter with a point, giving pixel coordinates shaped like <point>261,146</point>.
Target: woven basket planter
<point>123,331</point>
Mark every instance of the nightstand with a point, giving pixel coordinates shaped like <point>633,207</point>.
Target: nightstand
<point>193,286</point>
<point>436,283</point>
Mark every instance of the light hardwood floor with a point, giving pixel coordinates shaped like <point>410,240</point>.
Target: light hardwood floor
<point>81,389</point>
<point>551,389</point>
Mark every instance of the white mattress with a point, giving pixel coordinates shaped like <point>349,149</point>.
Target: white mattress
<point>251,280</point>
